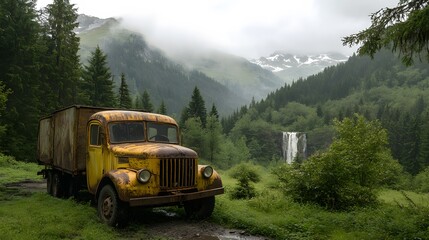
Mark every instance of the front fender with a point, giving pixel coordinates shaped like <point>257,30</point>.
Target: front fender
<point>208,183</point>
<point>124,181</point>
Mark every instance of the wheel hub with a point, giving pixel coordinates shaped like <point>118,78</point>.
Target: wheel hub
<point>107,207</point>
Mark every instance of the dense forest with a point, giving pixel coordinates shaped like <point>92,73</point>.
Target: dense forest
<point>381,88</point>
<point>40,71</point>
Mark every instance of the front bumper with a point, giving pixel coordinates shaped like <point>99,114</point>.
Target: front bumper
<point>174,198</point>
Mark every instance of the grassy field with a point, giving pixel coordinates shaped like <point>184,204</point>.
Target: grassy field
<point>399,215</point>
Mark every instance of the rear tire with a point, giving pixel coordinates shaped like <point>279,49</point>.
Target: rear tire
<point>56,188</point>
<point>111,209</point>
<point>200,208</point>
<point>49,182</point>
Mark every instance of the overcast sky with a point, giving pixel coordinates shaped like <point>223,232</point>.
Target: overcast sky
<point>246,28</point>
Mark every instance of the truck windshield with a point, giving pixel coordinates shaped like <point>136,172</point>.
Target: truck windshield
<point>161,132</point>
<point>126,132</point>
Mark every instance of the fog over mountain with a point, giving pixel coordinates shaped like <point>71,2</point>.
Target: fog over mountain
<point>243,28</point>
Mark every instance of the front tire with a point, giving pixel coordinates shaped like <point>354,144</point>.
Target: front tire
<point>111,209</point>
<point>200,208</point>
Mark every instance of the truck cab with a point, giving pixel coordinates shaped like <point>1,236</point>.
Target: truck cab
<point>132,159</point>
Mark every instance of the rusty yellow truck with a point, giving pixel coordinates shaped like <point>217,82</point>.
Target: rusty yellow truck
<point>123,159</point>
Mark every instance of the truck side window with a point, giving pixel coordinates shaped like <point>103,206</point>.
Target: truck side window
<point>95,138</point>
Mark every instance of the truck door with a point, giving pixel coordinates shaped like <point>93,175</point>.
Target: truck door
<point>94,161</point>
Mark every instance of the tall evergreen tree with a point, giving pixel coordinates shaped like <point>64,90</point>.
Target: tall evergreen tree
<point>97,81</point>
<point>137,103</point>
<point>124,94</point>
<point>3,98</point>
<point>197,107</point>
<point>146,102</point>
<point>213,137</point>
<point>424,143</point>
<point>214,112</point>
<point>63,47</point>
<point>162,108</point>
<point>20,60</point>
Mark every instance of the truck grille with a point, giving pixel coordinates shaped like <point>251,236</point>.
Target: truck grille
<point>177,173</point>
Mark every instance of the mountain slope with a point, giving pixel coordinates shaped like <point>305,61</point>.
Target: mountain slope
<point>149,69</point>
<point>237,73</point>
<point>290,67</point>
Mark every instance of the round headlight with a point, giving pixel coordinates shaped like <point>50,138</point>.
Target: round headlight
<point>143,176</point>
<point>207,171</point>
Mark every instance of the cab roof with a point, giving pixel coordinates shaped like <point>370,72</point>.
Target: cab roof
<point>124,115</point>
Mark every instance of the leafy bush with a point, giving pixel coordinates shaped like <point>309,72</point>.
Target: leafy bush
<point>349,173</point>
<point>245,173</point>
<point>421,181</point>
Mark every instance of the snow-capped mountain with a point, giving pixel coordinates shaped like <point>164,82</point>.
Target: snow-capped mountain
<point>290,67</point>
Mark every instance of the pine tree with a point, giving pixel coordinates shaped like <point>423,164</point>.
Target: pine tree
<point>124,95</point>
<point>146,102</point>
<point>214,112</point>
<point>162,109</point>
<point>63,46</point>
<point>137,103</point>
<point>97,81</point>
<point>3,98</point>
<point>213,137</point>
<point>197,107</point>
<point>21,51</point>
<point>424,143</point>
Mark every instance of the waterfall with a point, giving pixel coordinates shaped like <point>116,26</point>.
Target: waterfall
<point>294,145</point>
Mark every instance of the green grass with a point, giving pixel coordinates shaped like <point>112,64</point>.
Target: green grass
<point>15,171</point>
<point>41,216</point>
<point>272,214</point>
<point>399,215</point>
<point>404,198</point>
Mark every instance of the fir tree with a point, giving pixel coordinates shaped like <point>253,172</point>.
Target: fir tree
<point>21,51</point>
<point>137,103</point>
<point>3,98</point>
<point>424,143</point>
<point>63,47</point>
<point>146,102</point>
<point>162,109</point>
<point>97,81</point>
<point>213,137</point>
<point>124,95</point>
<point>197,107</point>
<point>214,112</point>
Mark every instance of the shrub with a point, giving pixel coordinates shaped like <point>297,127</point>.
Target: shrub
<point>349,173</point>
<point>421,181</point>
<point>245,173</point>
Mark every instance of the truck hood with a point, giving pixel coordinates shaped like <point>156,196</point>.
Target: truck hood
<point>152,150</point>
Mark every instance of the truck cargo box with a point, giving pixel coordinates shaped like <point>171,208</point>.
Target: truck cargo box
<point>62,138</point>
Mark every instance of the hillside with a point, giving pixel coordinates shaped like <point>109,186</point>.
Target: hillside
<point>147,68</point>
<point>381,88</point>
<point>237,73</point>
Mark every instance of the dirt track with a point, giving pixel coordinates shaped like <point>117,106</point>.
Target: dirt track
<point>160,223</point>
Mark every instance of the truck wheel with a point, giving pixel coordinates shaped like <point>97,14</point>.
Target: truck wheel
<point>69,187</point>
<point>56,188</point>
<point>111,209</point>
<point>200,208</point>
<point>49,182</point>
